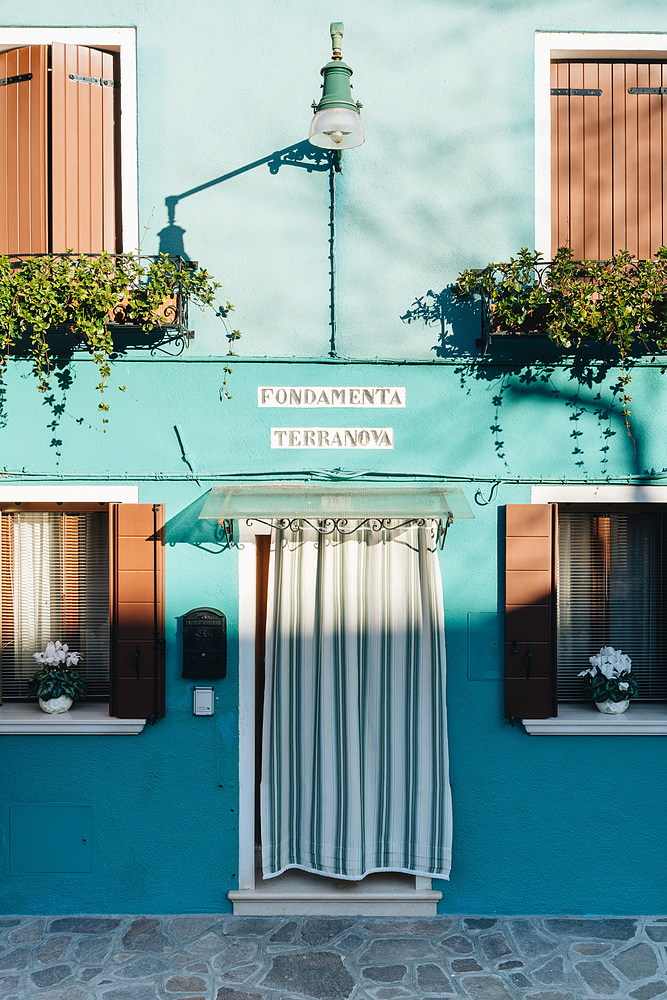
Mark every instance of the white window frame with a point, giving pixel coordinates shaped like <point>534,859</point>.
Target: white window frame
<point>85,719</point>
<point>123,41</point>
<point>583,719</point>
<point>570,45</point>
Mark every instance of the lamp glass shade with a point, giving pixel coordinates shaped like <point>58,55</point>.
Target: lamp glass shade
<point>336,128</point>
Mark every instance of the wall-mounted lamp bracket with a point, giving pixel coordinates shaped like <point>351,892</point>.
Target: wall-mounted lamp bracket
<point>442,531</point>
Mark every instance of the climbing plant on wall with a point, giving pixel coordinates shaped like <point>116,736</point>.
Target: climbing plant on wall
<point>86,297</point>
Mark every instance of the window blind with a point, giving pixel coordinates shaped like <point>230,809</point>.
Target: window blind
<point>55,585</point>
<point>611,592</point>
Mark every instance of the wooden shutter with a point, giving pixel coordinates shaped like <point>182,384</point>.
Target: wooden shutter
<point>84,150</point>
<point>23,151</point>
<point>137,683</point>
<point>530,662</point>
<point>607,158</point>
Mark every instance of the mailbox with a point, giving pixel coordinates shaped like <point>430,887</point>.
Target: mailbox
<point>204,644</point>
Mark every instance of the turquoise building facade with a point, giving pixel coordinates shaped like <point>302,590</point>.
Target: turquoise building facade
<point>339,278</point>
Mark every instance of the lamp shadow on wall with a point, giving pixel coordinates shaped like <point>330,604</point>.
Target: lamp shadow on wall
<point>185,528</point>
<point>300,154</point>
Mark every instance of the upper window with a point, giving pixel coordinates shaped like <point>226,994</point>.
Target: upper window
<point>59,113</point>
<point>68,160</point>
<point>608,120</point>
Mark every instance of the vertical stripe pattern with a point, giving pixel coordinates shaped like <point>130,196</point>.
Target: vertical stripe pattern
<point>354,757</point>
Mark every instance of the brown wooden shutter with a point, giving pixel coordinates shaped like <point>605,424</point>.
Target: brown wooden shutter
<point>137,628</point>
<point>530,662</point>
<point>607,165</point>
<point>84,150</point>
<point>23,151</point>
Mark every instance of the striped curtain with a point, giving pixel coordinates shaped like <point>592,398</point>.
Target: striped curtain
<point>354,756</point>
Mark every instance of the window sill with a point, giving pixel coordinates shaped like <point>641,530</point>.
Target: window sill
<point>586,720</point>
<point>82,719</point>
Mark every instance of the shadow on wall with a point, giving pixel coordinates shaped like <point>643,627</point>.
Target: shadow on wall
<point>301,154</point>
<point>459,326</point>
<point>531,382</point>
<point>186,528</point>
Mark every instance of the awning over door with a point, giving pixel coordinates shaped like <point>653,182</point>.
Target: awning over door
<point>289,500</point>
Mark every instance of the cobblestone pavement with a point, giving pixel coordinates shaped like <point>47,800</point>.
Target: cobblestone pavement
<point>221,957</point>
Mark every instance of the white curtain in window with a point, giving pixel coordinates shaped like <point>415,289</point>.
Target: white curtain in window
<point>36,542</point>
<point>354,762</point>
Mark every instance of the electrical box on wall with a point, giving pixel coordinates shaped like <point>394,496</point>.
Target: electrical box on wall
<point>203,701</point>
<point>204,644</point>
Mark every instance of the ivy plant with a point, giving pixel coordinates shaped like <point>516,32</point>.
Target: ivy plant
<point>82,296</point>
<point>619,302</point>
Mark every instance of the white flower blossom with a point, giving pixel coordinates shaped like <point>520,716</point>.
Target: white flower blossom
<point>57,653</point>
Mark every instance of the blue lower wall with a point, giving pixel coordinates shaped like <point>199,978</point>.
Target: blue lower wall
<point>549,824</point>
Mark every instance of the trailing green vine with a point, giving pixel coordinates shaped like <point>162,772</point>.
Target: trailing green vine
<point>620,302</point>
<point>86,297</point>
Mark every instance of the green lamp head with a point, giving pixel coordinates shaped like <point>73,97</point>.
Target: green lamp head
<point>336,122</point>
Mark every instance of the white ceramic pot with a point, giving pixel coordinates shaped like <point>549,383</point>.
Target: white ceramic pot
<point>612,707</point>
<point>55,706</point>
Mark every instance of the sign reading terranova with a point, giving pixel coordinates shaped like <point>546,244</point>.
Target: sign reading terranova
<point>331,397</point>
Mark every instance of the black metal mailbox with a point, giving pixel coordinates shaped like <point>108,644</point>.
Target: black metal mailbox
<point>204,644</point>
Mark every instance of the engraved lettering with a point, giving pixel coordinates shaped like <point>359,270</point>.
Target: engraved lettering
<point>322,439</point>
<point>385,442</point>
<point>309,397</point>
<point>323,399</point>
<point>383,395</point>
<point>280,434</point>
<point>368,396</point>
<point>336,441</point>
<point>354,397</point>
<point>295,397</point>
<point>266,393</point>
<point>281,396</point>
<point>294,438</point>
<point>364,438</point>
<point>309,438</point>
<point>397,399</point>
<point>338,397</point>
<point>351,438</point>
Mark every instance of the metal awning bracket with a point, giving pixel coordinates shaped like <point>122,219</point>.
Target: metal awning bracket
<point>227,526</point>
<point>442,531</point>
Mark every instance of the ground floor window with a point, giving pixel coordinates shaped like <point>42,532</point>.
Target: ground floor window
<point>611,591</point>
<point>55,586</point>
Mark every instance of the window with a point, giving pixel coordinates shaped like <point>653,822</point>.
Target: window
<point>599,124</point>
<point>608,120</point>
<point>611,591</point>
<point>68,135</point>
<point>577,577</point>
<point>91,575</point>
<point>55,586</point>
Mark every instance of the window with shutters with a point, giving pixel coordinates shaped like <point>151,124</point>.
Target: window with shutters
<point>579,576</point>
<point>55,586</point>
<point>611,591</point>
<point>608,121</point>
<point>92,576</point>
<point>600,120</point>
<point>67,163</point>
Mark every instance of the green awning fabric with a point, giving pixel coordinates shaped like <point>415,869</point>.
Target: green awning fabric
<point>321,501</point>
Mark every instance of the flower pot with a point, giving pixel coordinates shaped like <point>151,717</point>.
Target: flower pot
<point>612,707</point>
<point>56,706</point>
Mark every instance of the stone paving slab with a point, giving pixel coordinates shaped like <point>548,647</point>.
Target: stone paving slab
<point>222,957</point>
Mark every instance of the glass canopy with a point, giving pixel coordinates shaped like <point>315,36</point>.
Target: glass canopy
<point>290,500</point>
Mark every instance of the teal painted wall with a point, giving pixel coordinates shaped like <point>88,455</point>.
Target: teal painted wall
<point>444,181</point>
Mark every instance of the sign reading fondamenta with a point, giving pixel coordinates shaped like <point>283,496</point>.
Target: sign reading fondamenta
<point>332,437</point>
<point>363,396</point>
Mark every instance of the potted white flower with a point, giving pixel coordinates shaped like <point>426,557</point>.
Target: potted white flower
<point>609,680</point>
<point>57,684</point>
